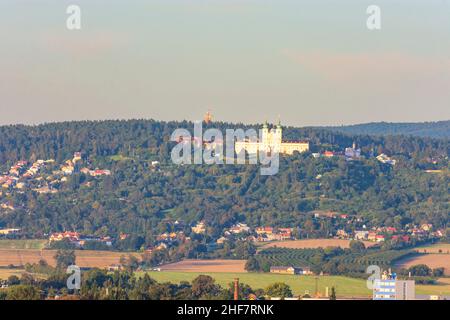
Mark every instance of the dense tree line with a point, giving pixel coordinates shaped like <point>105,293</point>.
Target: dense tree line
<point>126,285</point>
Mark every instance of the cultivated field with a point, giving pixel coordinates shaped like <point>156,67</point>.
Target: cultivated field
<point>206,266</point>
<point>313,243</point>
<point>85,258</point>
<point>6,273</point>
<point>433,260</point>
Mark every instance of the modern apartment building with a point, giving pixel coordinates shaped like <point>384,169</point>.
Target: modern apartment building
<point>393,289</point>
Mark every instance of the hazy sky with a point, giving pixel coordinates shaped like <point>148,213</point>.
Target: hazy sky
<point>311,62</point>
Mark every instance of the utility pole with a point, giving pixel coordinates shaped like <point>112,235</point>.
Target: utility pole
<point>317,286</point>
<point>236,288</point>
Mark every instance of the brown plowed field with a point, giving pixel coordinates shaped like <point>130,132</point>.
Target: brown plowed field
<point>313,243</point>
<point>432,260</point>
<point>85,258</point>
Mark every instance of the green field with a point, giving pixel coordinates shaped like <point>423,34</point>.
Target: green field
<point>442,288</point>
<point>23,244</point>
<point>345,287</point>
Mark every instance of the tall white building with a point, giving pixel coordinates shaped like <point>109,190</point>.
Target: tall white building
<point>352,153</point>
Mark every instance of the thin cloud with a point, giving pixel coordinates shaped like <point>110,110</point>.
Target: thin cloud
<point>338,67</point>
<point>83,43</point>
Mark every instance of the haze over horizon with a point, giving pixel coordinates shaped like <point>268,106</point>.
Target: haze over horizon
<point>313,63</point>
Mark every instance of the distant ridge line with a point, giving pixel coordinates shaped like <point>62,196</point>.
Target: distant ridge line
<point>437,129</point>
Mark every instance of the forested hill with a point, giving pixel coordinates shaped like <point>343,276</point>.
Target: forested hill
<point>440,129</point>
<point>151,138</point>
<point>138,198</point>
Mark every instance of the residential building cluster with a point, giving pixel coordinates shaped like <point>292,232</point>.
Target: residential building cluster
<point>9,231</point>
<point>170,239</point>
<point>167,240</point>
<point>381,234</point>
<point>265,234</point>
<point>78,240</point>
<point>244,232</point>
<point>41,176</point>
<point>353,153</point>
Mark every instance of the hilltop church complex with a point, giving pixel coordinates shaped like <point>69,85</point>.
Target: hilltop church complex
<point>272,141</point>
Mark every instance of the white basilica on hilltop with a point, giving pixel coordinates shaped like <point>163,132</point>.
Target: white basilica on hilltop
<point>272,141</point>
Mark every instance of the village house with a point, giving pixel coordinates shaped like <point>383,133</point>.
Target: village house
<point>239,228</point>
<point>9,231</point>
<point>403,238</point>
<point>82,241</point>
<point>361,235</point>
<point>115,267</point>
<point>325,214</point>
<point>390,230</point>
<point>372,236</point>
<point>45,189</point>
<point>290,270</point>
<point>416,232</point>
<point>18,168</point>
<point>170,237</point>
<point>341,234</point>
<point>20,185</point>
<point>85,170</point>
<point>261,238</point>
<point>123,236</point>
<point>7,206</point>
<point>59,236</point>
<point>264,230</point>
<point>221,240</point>
<point>161,246</point>
<point>98,172</point>
<point>199,228</point>
<point>438,233</point>
<point>68,168</point>
<point>78,240</point>
<point>76,157</point>
<point>283,234</point>
<point>385,159</point>
<point>10,182</point>
<point>272,234</point>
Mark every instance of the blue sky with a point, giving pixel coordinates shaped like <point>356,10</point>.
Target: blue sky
<point>309,62</point>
